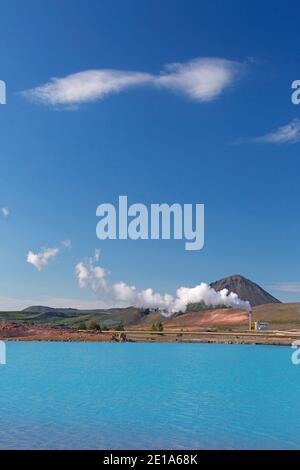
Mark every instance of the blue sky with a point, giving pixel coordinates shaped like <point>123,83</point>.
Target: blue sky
<point>151,141</point>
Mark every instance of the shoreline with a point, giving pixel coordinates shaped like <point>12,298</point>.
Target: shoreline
<point>168,337</point>
<point>12,331</point>
<point>254,343</point>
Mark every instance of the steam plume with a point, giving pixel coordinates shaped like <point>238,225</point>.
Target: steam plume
<point>122,294</point>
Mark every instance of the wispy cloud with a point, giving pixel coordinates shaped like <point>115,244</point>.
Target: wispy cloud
<point>288,287</point>
<point>5,211</point>
<point>42,258</point>
<point>91,275</point>
<point>84,87</point>
<point>202,79</point>
<point>287,134</point>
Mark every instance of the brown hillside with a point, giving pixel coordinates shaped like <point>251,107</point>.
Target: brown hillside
<point>280,316</point>
<point>245,289</point>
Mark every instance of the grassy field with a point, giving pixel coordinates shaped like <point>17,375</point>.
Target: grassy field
<point>71,318</point>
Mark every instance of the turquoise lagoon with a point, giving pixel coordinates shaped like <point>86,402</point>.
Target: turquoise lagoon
<point>148,396</point>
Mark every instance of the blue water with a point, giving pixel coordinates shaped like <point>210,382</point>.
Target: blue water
<point>148,396</point>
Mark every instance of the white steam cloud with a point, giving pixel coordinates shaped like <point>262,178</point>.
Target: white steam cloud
<point>89,274</point>
<point>169,305</point>
<point>202,79</point>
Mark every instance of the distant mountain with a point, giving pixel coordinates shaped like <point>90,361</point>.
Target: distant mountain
<point>245,289</point>
<point>42,309</point>
<point>109,318</point>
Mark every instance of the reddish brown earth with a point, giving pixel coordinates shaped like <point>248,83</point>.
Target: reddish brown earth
<point>220,326</point>
<point>10,331</point>
<point>220,317</point>
<point>21,332</point>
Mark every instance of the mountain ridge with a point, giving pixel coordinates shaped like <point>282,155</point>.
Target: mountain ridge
<point>245,289</point>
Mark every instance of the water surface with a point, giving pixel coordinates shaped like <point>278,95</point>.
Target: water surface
<point>148,396</point>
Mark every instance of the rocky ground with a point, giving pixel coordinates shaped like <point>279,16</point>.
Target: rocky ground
<point>24,332</point>
<point>11,331</point>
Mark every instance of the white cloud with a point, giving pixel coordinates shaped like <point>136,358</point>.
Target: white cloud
<point>287,134</point>
<point>5,211</point>
<point>83,87</point>
<point>89,274</point>
<point>41,260</point>
<point>289,287</point>
<point>202,79</point>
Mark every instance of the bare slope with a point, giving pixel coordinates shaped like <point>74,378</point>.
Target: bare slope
<point>245,289</point>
